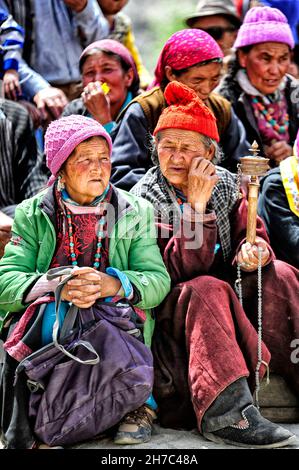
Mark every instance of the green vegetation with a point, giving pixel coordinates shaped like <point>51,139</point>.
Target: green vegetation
<point>154,22</point>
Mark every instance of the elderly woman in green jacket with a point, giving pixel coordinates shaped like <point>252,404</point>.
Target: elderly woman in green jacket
<point>106,234</point>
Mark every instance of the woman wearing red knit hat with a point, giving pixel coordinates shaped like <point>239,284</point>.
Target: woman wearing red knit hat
<point>192,57</point>
<point>205,346</point>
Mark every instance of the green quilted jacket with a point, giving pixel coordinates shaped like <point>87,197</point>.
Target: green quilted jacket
<point>132,249</point>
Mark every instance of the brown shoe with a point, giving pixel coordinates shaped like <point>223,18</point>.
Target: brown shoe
<point>136,426</point>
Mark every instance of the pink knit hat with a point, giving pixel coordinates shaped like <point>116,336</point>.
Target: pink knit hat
<point>264,24</point>
<point>64,134</point>
<point>110,45</point>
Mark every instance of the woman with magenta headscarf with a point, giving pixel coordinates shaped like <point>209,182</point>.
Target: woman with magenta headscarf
<point>110,81</point>
<point>193,58</point>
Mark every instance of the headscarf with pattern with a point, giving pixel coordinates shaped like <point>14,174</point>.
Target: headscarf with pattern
<point>186,48</point>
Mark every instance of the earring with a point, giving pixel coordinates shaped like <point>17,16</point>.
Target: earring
<point>60,184</point>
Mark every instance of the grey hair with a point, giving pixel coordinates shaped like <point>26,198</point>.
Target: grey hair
<point>207,142</point>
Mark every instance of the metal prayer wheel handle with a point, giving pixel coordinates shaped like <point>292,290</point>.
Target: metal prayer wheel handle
<point>253,166</point>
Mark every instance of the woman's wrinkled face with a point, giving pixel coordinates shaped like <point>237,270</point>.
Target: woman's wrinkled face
<point>201,78</point>
<point>176,150</point>
<point>103,68</point>
<point>266,64</point>
<point>87,171</point>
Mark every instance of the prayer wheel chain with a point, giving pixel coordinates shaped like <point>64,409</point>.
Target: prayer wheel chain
<point>238,182</point>
<point>238,287</point>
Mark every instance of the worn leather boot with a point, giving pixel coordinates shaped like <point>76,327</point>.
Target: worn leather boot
<point>253,431</point>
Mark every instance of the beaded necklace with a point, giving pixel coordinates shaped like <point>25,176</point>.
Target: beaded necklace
<point>280,129</point>
<point>100,234</point>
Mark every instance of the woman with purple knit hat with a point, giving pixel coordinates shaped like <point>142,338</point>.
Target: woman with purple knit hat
<point>263,95</point>
<point>107,237</point>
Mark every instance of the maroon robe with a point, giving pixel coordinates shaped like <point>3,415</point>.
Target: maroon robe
<point>203,339</point>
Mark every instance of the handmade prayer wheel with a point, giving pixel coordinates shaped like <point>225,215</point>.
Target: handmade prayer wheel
<point>253,166</point>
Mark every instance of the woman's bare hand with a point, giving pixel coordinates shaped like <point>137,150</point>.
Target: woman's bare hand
<point>11,84</point>
<point>279,151</point>
<point>96,102</point>
<point>248,255</point>
<point>88,285</point>
<point>76,5</point>
<point>201,181</point>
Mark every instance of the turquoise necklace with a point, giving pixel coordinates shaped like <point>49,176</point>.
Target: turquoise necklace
<point>100,232</point>
<point>100,236</point>
<point>280,129</point>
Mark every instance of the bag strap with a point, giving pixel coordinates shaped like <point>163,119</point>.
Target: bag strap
<point>53,273</point>
<point>70,317</point>
<point>68,322</point>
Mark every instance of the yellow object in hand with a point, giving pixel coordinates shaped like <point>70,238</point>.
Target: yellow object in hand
<point>105,88</point>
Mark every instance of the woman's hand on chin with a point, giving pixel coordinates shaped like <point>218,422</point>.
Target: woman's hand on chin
<point>201,181</point>
<point>96,102</point>
<point>88,285</point>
